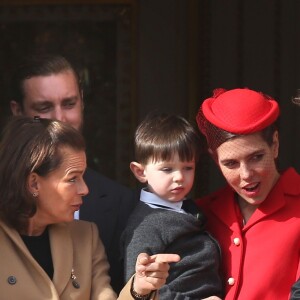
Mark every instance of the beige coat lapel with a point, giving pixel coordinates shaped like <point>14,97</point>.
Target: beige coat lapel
<point>20,249</point>
<point>16,238</point>
<point>62,255</point>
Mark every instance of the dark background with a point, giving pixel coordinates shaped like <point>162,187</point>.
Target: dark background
<point>136,56</point>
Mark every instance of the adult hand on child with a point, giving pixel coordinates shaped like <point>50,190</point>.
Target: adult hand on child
<point>152,271</point>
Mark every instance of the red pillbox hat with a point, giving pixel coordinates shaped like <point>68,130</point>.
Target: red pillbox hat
<point>239,111</point>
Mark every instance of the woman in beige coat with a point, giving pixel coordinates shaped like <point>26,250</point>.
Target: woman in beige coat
<point>45,254</point>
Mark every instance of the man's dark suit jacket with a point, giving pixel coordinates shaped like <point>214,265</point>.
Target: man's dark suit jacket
<point>109,205</point>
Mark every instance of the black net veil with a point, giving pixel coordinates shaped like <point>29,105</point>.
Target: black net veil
<point>214,136</point>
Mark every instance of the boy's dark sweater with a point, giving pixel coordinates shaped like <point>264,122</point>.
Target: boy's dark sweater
<point>158,230</point>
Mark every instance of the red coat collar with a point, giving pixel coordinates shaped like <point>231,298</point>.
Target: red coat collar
<point>224,200</point>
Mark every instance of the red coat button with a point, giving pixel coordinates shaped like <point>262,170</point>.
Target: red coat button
<point>236,241</point>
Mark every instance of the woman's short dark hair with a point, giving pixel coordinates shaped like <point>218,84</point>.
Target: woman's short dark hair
<point>161,135</point>
<point>30,145</point>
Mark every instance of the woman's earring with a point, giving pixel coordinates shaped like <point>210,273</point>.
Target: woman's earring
<point>35,194</point>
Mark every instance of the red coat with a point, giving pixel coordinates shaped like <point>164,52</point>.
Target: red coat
<point>261,259</point>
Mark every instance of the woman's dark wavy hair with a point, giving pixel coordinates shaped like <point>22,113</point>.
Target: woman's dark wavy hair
<point>160,135</point>
<point>30,145</point>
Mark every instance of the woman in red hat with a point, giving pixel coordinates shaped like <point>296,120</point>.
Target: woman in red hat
<point>256,217</point>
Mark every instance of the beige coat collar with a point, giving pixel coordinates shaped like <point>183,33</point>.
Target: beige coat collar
<point>62,254</point>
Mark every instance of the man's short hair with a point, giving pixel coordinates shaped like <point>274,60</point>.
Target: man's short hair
<point>38,65</point>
